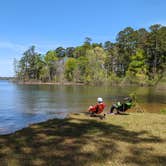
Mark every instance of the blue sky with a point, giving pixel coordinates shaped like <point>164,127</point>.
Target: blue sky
<point>48,24</point>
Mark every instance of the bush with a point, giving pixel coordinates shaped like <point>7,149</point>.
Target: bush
<point>163,111</point>
<point>113,79</point>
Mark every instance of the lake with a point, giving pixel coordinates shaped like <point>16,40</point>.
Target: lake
<point>21,105</point>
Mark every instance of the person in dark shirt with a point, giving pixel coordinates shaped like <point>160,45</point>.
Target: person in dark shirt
<point>121,107</point>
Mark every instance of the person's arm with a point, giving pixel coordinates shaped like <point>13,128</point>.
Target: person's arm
<point>92,108</point>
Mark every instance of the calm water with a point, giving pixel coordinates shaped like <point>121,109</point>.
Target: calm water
<point>21,105</point>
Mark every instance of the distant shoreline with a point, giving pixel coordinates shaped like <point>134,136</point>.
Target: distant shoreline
<point>47,83</point>
<point>7,78</point>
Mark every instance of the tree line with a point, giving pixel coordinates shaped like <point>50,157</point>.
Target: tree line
<point>136,57</point>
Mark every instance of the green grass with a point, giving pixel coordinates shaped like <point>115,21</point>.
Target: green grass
<point>80,140</point>
<point>163,111</point>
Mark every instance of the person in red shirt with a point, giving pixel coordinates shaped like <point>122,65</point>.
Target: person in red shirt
<point>98,108</point>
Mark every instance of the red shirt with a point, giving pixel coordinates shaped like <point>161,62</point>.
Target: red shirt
<point>98,108</point>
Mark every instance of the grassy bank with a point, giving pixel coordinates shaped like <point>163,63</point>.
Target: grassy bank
<point>80,140</point>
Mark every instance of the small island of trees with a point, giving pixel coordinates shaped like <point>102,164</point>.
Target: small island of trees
<point>136,57</point>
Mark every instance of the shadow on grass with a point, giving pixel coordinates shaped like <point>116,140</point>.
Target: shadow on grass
<point>74,141</point>
<point>120,113</point>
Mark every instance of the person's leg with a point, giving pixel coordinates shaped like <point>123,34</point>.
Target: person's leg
<point>119,109</point>
<point>124,107</point>
<point>92,114</point>
<point>112,108</point>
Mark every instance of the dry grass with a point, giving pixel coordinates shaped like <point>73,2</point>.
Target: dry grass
<point>80,140</point>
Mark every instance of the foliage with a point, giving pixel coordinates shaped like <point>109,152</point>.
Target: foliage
<point>70,68</point>
<point>163,111</point>
<point>96,72</point>
<point>29,65</point>
<point>50,68</point>
<point>113,79</point>
<point>83,69</point>
<point>137,69</point>
<point>137,56</point>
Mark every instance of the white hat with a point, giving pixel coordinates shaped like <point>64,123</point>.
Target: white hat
<point>99,100</point>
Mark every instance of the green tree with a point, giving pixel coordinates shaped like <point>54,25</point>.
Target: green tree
<point>112,61</point>
<point>141,38</point>
<point>162,43</point>
<point>16,67</point>
<point>108,46</point>
<point>137,71</point>
<point>136,53</point>
<point>96,69</point>
<point>83,68</point>
<point>50,60</point>
<point>155,49</point>
<point>79,51</point>
<point>70,69</point>
<point>60,52</point>
<point>70,51</point>
<point>87,43</point>
<point>28,64</point>
<point>93,45</point>
<point>126,41</point>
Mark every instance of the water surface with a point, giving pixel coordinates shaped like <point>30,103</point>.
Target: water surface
<point>21,105</point>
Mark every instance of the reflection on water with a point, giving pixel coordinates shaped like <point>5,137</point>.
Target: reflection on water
<point>21,105</point>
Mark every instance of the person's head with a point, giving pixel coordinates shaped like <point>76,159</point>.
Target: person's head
<point>99,100</point>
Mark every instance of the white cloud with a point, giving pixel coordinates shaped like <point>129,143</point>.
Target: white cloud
<point>12,46</point>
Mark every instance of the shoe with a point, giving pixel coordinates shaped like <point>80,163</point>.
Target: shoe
<point>112,113</point>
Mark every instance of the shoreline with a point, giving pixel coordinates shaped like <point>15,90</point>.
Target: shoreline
<point>70,115</point>
<point>162,87</point>
<point>83,140</point>
<point>47,83</point>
